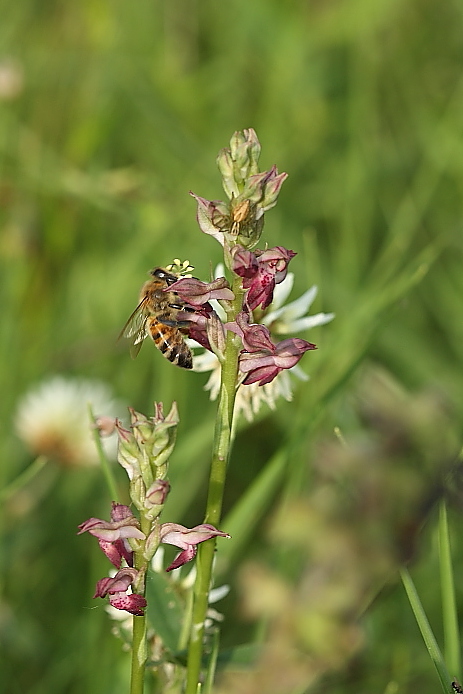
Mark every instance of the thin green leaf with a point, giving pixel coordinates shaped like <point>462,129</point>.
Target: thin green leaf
<point>449,608</point>
<point>426,632</point>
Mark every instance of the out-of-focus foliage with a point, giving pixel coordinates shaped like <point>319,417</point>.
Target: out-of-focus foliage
<point>109,114</point>
<point>334,548</point>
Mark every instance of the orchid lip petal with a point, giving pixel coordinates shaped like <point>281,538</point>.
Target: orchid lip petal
<point>187,540</point>
<point>133,603</point>
<point>183,558</point>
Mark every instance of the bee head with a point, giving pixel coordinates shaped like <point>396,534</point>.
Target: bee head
<point>162,274</point>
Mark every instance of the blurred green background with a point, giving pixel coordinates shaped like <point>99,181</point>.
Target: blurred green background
<point>110,113</point>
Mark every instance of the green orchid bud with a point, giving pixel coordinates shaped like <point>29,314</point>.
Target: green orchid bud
<point>145,449</point>
<point>226,168</point>
<point>137,492</point>
<point>152,541</point>
<point>238,162</point>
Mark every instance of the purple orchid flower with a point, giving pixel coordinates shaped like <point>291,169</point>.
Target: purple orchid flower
<point>187,540</point>
<point>262,360</point>
<point>117,587</point>
<point>197,293</point>
<point>261,271</point>
<point>113,535</point>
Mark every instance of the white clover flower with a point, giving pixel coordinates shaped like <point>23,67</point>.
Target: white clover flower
<point>11,79</point>
<point>186,582</point>
<point>53,420</point>
<point>249,399</point>
<point>284,319</point>
<point>281,319</point>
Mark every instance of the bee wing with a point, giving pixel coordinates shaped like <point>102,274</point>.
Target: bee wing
<point>135,328</point>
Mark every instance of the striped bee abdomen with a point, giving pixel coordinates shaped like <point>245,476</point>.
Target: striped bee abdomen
<point>170,342</point>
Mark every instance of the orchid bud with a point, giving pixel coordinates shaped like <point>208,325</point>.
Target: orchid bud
<point>216,335</point>
<point>226,168</point>
<point>144,450</point>
<point>155,498</point>
<point>157,493</point>
<point>245,152</point>
<point>128,453</point>
<point>238,162</point>
<point>264,188</point>
<point>152,542</point>
<point>155,436</point>
<point>137,491</point>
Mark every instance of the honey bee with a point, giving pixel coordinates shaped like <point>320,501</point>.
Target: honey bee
<point>156,317</point>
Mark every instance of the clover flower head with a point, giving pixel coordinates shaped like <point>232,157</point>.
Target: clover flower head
<point>53,420</point>
<point>11,79</point>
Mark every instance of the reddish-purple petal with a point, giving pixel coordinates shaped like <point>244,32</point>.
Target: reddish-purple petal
<point>112,551</point>
<point>260,290</point>
<point>262,375</point>
<point>182,558</point>
<point>262,366</point>
<point>197,293</point>
<point>133,603</point>
<point>255,337</point>
<point>244,262</point>
<point>112,531</point>
<point>180,536</point>
<point>116,584</point>
<point>120,512</point>
<point>293,346</point>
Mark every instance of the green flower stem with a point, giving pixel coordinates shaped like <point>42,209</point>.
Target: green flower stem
<point>139,655</point>
<point>220,456</point>
<point>105,464</point>
<point>139,644</point>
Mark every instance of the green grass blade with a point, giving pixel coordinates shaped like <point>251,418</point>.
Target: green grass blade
<point>426,631</point>
<point>23,478</point>
<point>449,609</point>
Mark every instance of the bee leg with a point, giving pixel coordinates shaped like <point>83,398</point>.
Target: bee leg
<point>182,307</point>
<point>175,323</point>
